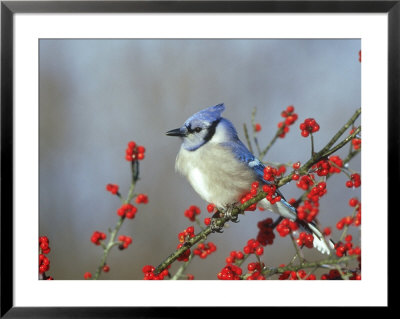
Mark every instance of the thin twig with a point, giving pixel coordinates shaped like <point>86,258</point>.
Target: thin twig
<point>111,242</point>
<point>246,134</point>
<point>277,134</point>
<point>315,264</point>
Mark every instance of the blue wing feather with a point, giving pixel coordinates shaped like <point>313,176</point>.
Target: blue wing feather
<point>242,153</point>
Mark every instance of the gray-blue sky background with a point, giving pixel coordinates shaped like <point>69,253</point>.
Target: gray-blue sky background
<point>96,95</point>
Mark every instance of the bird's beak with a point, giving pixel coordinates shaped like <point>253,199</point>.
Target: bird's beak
<point>175,132</point>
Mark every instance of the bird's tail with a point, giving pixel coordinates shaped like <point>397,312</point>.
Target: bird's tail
<point>284,209</point>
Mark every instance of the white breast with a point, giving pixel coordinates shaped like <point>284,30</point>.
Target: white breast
<point>199,183</point>
<point>215,174</point>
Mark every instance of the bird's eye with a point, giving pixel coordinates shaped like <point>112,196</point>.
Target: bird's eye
<point>197,129</point>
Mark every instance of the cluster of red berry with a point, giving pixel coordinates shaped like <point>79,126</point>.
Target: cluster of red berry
<point>290,118</point>
<point>204,249</point>
<point>271,196</point>
<point>183,236</point>
<point>308,211</point>
<point>234,272</point>
<point>134,152</point>
<point>253,246</point>
<point>271,173</point>
<point>265,234</point>
<point>296,275</point>
<point>191,212</point>
<point>334,274</point>
<point>186,234</point>
<point>142,199</point>
<point>149,274</point>
<point>322,167</point>
<point>254,269</point>
<point>317,192</point>
<point>354,181</point>
<point>230,272</point>
<point>310,207</point>
<point>305,182</point>
<point>349,220</point>
<point>328,166</point>
<point>97,236</point>
<point>356,142</point>
<point>184,256</point>
<point>336,164</point>
<point>112,188</point>
<point>270,189</point>
<point>44,244</point>
<point>286,226</point>
<point>347,248</point>
<point>250,195</point>
<point>234,256</point>
<point>309,126</point>
<point>125,241</point>
<point>305,239</point>
<point>44,262</point>
<point>127,210</point>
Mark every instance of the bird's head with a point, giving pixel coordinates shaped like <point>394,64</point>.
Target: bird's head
<point>199,128</point>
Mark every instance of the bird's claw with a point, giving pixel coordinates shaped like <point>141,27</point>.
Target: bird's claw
<point>228,214</point>
<point>214,227</point>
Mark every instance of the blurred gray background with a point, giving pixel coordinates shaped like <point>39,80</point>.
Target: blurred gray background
<point>97,95</point>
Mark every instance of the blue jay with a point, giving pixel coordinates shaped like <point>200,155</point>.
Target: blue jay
<point>221,169</point>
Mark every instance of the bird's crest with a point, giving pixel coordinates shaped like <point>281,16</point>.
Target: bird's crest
<point>209,114</point>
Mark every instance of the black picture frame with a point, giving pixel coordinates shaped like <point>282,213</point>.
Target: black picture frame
<point>9,8</point>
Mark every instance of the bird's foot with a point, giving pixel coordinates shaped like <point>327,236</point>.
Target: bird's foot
<point>215,228</point>
<point>228,213</point>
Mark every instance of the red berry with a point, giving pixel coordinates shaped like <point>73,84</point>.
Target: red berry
<point>131,145</point>
<point>210,208</point>
<point>348,238</point>
<point>295,177</point>
<point>353,202</point>
<point>327,231</point>
<point>87,275</point>
<point>340,225</point>
<point>112,188</point>
<point>309,126</point>
<point>142,199</point>
<point>305,133</point>
<point>296,165</point>
<point>259,251</point>
<point>349,184</point>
